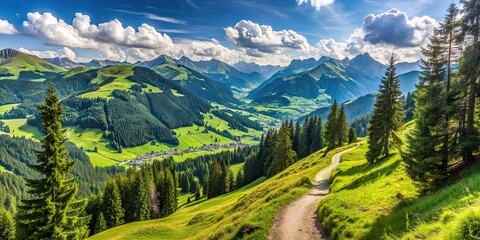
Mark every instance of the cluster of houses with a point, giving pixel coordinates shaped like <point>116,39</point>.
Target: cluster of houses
<point>142,159</point>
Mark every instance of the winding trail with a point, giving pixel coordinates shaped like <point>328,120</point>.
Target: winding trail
<point>298,220</point>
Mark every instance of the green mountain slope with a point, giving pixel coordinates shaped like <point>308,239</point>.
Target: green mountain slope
<point>408,81</point>
<point>120,112</point>
<point>192,80</point>
<point>380,201</point>
<point>18,65</point>
<point>341,80</point>
<point>355,108</point>
<point>247,213</point>
<point>295,66</point>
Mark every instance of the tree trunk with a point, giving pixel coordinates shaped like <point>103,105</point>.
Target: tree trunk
<point>446,154</point>
<point>471,100</point>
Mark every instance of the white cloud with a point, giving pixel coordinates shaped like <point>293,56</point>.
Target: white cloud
<point>263,38</point>
<point>395,28</point>
<point>317,4</point>
<point>7,28</point>
<point>83,34</point>
<point>355,45</point>
<point>253,42</point>
<point>61,53</point>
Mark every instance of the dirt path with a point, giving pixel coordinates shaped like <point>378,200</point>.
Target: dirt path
<point>298,220</point>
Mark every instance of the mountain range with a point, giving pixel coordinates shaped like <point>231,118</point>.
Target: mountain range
<point>266,70</point>
<point>311,81</point>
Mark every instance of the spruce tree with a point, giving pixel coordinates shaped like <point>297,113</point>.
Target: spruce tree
<point>352,136</point>
<point>112,205</point>
<point>142,207</point>
<point>168,194</point>
<point>470,70</point>
<point>425,159</point>
<point>52,212</point>
<point>283,155</point>
<point>341,128</point>
<point>330,126</point>
<point>296,138</point>
<point>305,138</point>
<point>231,181</point>
<point>7,225</point>
<point>239,179</point>
<point>100,224</point>
<point>387,116</point>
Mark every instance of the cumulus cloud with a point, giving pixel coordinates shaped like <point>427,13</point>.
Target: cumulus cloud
<point>395,28</point>
<point>61,53</point>
<point>83,34</point>
<point>317,4</point>
<point>263,38</point>
<point>7,28</point>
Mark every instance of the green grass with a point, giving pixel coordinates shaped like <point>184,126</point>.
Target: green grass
<point>236,167</point>
<point>361,193</point>
<point>223,217</point>
<point>249,137</point>
<point>24,62</point>
<point>8,107</point>
<point>88,139</point>
<point>20,128</point>
<point>120,73</point>
<point>380,201</point>
<point>298,107</point>
<point>2,169</point>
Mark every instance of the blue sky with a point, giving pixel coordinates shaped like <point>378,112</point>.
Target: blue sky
<point>199,28</point>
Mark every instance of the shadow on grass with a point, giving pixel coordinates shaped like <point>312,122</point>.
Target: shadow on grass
<point>371,176</point>
<point>424,209</point>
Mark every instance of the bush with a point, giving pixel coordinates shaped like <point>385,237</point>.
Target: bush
<point>467,226</point>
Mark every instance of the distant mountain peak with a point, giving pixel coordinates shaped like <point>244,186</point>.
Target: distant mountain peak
<point>363,57</point>
<point>8,53</point>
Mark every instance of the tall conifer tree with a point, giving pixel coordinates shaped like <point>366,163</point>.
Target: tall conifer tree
<point>425,158</point>
<point>283,155</point>
<point>53,212</point>
<point>341,128</point>
<point>469,69</point>
<point>387,116</point>
<point>7,225</point>
<point>113,211</point>
<point>330,126</point>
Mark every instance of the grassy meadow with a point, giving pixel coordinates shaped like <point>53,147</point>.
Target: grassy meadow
<point>225,217</point>
<point>380,201</point>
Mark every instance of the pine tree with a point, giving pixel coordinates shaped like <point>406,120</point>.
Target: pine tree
<point>342,127</point>
<point>330,126</point>
<point>53,212</point>
<point>352,136</point>
<point>112,205</point>
<point>425,159</point>
<point>296,138</point>
<point>319,130</point>
<point>283,155</point>
<point>305,138</point>
<point>215,181</point>
<point>387,116</point>
<point>100,224</point>
<point>469,69</point>
<point>168,195</point>
<point>142,208</point>
<point>239,180</point>
<point>231,181</point>
<point>7,225</point>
